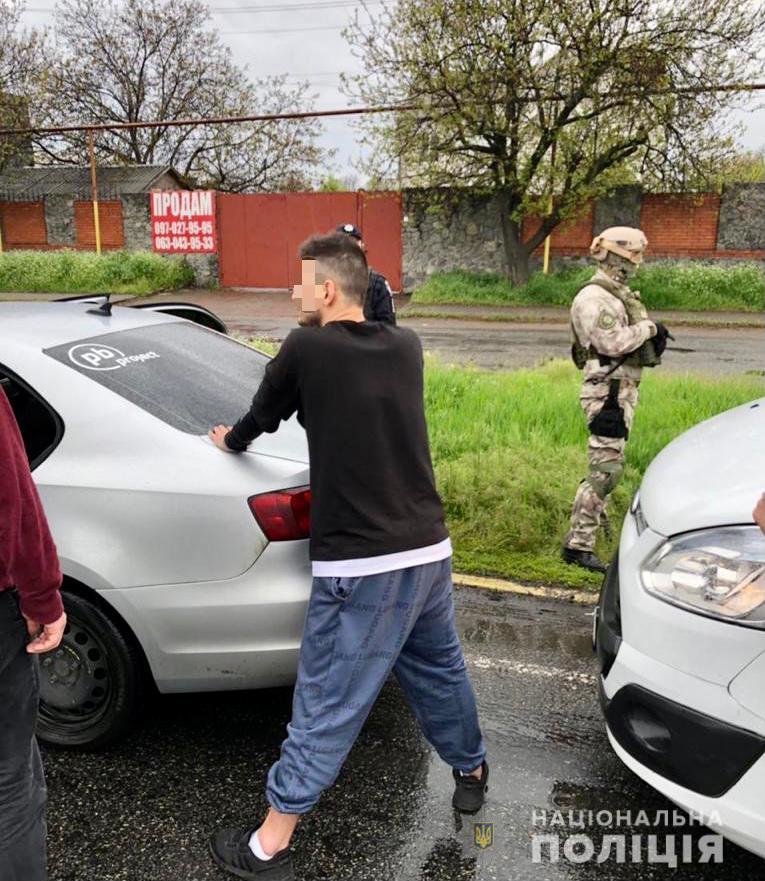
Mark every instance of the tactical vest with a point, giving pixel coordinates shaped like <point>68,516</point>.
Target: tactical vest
<point>645,356</point>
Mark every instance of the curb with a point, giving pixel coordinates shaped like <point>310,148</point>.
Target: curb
<point>501,585</point>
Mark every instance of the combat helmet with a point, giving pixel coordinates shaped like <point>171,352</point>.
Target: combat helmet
<point>624,241</point>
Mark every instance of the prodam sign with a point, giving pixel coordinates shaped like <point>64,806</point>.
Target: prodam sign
<point>97,356</point>
<point>183,221</point>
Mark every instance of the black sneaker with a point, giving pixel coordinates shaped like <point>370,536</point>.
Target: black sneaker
<point>469,791</point>
<point>230,848</point>
<point>585,559</point>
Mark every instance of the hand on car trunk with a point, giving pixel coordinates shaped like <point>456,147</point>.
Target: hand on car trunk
<point>218,436</point>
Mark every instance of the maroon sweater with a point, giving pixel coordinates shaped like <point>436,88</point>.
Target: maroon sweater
<point>28,559</point>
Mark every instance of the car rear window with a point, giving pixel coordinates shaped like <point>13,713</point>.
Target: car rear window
<point>185,375</point>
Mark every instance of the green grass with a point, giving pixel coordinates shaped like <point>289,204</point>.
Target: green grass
<point>509,450</point>
<point>689,286</point>
<point>73,272</point>
<point>267,345</point>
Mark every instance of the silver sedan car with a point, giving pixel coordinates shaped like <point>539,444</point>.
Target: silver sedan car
<point>183,566</point>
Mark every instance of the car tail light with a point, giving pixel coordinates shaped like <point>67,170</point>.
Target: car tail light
<point>284,515</point>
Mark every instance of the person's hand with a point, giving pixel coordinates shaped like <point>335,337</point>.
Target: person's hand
<point>218,436</point>
<point>759,513</point>
<point>47,638</point>
<point>660,340</point>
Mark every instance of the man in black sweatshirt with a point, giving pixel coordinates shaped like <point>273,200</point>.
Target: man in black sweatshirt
<point>381,598</point>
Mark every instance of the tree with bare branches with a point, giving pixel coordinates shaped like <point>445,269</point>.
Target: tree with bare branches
<point>21,69</point>
<point>525,99</point>
<point>146,60</point>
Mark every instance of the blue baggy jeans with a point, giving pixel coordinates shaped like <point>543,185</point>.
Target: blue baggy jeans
<point>22,784</point>
<point>357,631</point>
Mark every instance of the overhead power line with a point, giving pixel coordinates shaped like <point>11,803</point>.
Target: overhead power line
<point>337,27</point>
<point>285,7</point>
<point>347,111</point>
<point>212,120</point>
<point>301,6</point>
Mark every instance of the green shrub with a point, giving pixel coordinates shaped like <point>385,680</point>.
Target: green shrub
<point>691,286</point>
<point>74,272</point>
<point>703,286</point>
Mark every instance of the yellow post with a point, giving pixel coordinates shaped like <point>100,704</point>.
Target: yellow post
<point>546,258</point>
<point>94,191</point>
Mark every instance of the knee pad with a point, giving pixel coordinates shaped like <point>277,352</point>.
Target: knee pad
<point>604,477</point>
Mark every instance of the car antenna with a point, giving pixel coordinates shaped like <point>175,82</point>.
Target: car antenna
<point>104,309</point>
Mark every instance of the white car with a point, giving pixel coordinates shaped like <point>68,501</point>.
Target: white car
<point>184,567</point>
<point>680,628</point>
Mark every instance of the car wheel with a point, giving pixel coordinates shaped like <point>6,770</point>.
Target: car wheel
<point>91,685</point>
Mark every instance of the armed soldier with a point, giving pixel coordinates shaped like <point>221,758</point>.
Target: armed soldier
<point>613,340</point>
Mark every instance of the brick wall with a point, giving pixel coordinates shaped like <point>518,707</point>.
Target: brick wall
<point>681,225</point>
<point>572,237</point>
<point>23,225</point>
<point>110,225</point>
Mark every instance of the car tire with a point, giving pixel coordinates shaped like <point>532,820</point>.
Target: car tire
<point>91,686</point>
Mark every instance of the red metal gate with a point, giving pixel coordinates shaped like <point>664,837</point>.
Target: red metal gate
<point>259,234</point>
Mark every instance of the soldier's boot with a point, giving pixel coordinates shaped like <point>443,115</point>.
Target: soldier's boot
<point>585,559</point>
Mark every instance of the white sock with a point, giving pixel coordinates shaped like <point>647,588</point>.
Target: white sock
<point>256,847</point>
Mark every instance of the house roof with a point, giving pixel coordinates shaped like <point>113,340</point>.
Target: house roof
<point>33,183</point>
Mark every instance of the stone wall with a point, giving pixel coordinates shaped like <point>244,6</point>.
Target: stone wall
<point>619,208</point>
<point>206,272</point>
<point>742,218</point>
<point>59,220</point>
<point>464,233</point>
<point>135,219</point>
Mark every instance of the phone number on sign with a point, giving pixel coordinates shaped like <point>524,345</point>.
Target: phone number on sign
<point>184,243</point>
<point>183,227</point>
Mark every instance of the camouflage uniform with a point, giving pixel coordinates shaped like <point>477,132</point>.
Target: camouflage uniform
<point>608,319</point>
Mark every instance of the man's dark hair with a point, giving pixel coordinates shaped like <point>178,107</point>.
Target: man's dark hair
<point>339,259</point>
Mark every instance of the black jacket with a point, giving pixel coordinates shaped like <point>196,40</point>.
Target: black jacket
<point>372,485</point>
<point>378,303</point>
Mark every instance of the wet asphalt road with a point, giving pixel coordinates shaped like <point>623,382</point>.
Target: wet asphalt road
<point>500,345</point>
<point>143,811</point>
<point>508,345</point>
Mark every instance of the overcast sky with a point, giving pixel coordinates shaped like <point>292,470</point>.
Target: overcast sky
<point>302,38</point>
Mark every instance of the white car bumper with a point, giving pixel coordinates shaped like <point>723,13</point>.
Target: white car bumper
<point>739,813</point>
<point>681,703</point>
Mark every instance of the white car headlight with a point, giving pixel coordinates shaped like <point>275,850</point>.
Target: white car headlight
<point>718,572</point>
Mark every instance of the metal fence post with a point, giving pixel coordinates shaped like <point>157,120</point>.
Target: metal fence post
<point>94,190</point>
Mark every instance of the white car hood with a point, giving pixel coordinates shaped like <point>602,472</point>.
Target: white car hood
<point>710,476</point>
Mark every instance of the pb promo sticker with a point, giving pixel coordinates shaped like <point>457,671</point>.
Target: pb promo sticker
<point>97,356</point>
